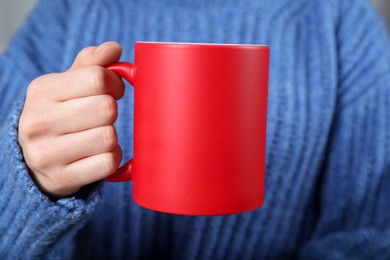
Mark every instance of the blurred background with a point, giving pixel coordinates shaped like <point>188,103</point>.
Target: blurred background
<point>13,13</point>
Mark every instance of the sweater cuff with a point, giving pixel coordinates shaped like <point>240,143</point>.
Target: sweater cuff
<point>29,221</point>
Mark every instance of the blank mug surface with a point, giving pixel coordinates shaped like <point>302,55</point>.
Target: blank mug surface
<point>199,127</point>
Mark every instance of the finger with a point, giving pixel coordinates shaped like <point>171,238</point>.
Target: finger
<point>84,82</point>
<point>105,54</point>
<point>81,114</point>
<point>83,55</point>
<point>72,147</point>
<point>93,168</point>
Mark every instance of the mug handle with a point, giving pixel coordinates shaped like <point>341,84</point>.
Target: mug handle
<point>127,71</point>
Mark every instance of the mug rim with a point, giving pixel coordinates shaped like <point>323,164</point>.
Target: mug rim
<point>203,44</point>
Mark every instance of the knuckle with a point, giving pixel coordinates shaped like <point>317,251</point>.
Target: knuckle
<point>34,83</point>
<point>31,126</point>
<point>25,131</point>
<point>109,109</point>
<point>85,52</point>
<point>110,137</point>
<point>82,56</point>
<point>35,86</point>
<point>38,161</point>
<point>38,85</point>
<point>100,78</point>
<point>37,82</point>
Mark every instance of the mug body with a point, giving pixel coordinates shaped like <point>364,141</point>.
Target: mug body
<point>199,127</point>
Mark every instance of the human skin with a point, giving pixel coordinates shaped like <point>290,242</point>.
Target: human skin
<point>66,129</point>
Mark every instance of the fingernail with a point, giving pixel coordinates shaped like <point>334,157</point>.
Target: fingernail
<point>102,46</point>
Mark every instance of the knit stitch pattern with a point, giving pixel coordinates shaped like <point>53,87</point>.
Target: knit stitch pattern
<point>328,134</point>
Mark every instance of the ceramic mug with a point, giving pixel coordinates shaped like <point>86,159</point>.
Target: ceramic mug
<point>200,115</point>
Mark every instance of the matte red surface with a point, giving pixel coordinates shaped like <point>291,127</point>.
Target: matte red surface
<point>199,127</point>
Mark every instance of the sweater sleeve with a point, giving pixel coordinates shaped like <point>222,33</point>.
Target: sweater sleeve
<point>31,225</point>
<point>354,206</point>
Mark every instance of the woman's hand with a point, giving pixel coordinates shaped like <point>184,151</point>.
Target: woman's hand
<point>66,129</point>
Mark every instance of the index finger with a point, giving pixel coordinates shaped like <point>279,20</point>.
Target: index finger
<point>86,81</point>
<point>105,54</point>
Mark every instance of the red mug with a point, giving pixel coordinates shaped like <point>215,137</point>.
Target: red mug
<point>200,115</point>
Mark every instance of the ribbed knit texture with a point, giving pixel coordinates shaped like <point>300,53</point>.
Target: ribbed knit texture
<point>328,134</point>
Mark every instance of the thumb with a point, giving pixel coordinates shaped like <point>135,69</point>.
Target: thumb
<point>103,55</point>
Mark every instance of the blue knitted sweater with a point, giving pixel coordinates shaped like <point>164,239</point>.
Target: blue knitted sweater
<point>328,135</point>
